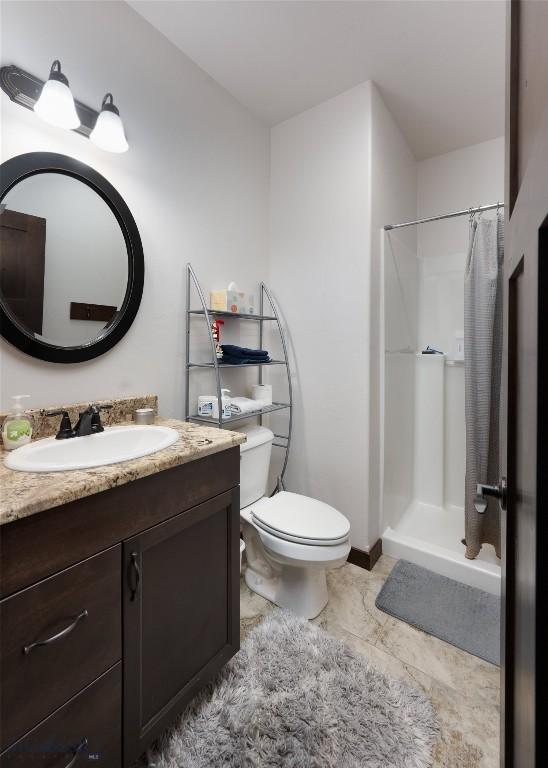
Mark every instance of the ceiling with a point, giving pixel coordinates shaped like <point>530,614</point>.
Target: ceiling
<point>439,64</point>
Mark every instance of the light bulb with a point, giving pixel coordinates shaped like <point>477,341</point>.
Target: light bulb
<point>56,103</point>
<point>109,133</point>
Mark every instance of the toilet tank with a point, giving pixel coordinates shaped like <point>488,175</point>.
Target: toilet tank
<point>254,464</point>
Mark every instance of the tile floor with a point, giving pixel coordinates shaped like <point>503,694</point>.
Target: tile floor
<point>464,689</point>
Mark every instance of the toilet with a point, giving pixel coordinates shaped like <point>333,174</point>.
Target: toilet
<point>290,540</point>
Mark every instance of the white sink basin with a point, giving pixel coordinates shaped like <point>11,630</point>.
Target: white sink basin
<point>113,445</point>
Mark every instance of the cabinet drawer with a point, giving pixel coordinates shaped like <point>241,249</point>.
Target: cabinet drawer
<point>57,637</point>
<point>86,730</point>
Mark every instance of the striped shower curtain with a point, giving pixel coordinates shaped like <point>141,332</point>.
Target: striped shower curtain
<point>482,366</point>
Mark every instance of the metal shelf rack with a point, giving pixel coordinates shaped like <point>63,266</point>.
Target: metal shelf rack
<point>265,298</point>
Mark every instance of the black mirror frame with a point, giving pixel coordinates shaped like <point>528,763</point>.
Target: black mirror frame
<point>21,167</point>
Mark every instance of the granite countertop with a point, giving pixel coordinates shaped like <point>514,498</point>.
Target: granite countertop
<point>25,493</point>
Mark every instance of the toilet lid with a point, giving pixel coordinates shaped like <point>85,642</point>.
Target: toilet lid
<point>302,519</point>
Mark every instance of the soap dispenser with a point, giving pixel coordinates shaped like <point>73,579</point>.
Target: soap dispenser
<point>17,427</point>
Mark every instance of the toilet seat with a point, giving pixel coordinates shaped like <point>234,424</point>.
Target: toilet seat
<point>300,519</point>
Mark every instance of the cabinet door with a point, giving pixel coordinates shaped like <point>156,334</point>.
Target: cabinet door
<point>181,614</point>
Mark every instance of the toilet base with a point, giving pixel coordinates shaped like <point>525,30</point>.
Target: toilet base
<point>301,590</point>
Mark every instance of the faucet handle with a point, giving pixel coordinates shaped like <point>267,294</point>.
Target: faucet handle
<point>96,425</point>
<point>65,429</point>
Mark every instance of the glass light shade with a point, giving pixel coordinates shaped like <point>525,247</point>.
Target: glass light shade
<point>56,105</point>
<point>109,133</point>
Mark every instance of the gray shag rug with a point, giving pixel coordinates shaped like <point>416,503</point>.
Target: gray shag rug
<point>464,616</point>
<point>296,697</point>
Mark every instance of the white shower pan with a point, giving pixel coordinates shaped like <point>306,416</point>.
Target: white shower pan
<point>430,536</point>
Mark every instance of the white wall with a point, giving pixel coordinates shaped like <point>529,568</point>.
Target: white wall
<point>85,252</point>
<point>195,178</point>
<point>468,177</point>
<point>457,180</point>
<point>320,274</point>
<point>339,172</point>
<point>393,199</point>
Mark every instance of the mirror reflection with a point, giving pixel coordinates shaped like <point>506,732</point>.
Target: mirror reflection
<point>63,259</point>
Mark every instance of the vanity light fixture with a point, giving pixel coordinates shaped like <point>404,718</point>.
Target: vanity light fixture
<point>53,102</point>
<point>56,102</point>
<point>109,133</point>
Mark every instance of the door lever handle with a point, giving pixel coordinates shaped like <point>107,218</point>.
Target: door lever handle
<point>483,491</point>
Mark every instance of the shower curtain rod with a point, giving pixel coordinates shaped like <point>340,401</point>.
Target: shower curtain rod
<point>467,211</point>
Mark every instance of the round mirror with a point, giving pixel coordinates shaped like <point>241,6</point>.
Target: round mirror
<point>70,256</point>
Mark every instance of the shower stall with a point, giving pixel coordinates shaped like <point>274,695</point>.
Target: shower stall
<point>423,515</point>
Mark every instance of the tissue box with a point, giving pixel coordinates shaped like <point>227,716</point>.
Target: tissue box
<point>232,301</point>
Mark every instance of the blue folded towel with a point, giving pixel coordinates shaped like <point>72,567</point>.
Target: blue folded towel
<point>234,351</point>
<point>234,360</point>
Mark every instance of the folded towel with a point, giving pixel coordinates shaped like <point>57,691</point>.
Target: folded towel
<point>234,351</point>
<point>241,405</point>
<point>229,360</point>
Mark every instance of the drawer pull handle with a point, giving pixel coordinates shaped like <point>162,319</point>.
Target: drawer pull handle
<point>135,585</point>
<point>63,633</point>
<point>76,751</point>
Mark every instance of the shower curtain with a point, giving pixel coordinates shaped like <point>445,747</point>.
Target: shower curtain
<point>482,374</point>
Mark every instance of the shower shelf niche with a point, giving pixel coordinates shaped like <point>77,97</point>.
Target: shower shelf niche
<point>218,366</point>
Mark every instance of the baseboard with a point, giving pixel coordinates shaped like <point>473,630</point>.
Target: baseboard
<point>363,559</point>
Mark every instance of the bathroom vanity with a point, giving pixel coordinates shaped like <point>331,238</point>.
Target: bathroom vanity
<point>119,598</point>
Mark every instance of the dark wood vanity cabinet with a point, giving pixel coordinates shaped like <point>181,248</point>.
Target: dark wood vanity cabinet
<point>116,610</point>
<point>180,620</point>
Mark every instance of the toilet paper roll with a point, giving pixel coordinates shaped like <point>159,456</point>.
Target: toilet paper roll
<point>262,392</point>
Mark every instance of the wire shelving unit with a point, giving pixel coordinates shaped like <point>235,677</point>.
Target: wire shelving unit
<point>265,300</point>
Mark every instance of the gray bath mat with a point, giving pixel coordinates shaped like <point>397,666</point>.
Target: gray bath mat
<point>295,697</point>
<point>463,616</point>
